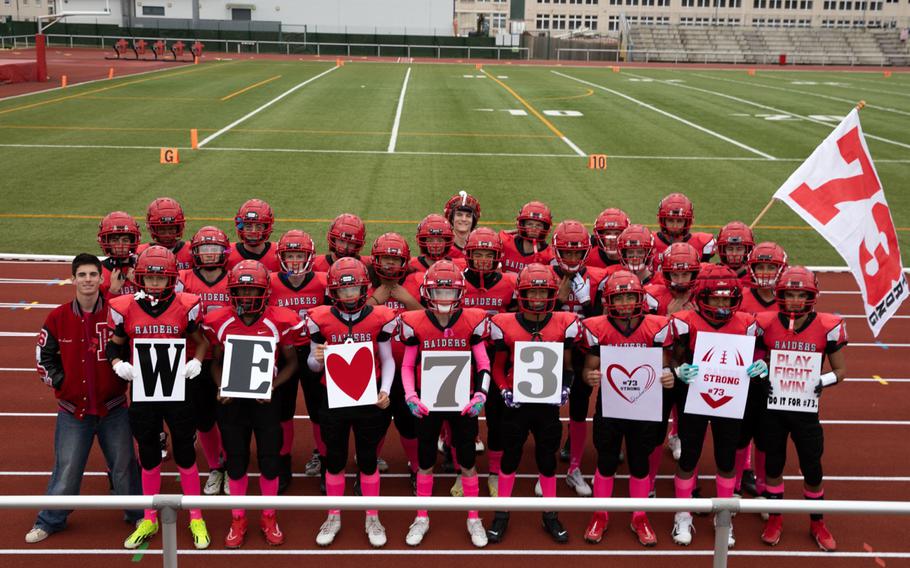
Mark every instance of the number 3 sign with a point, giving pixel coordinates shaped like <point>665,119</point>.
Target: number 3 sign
<point>445,380</point>
<point>537,375</point>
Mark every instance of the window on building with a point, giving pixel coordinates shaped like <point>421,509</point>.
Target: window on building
<point>153,10</point>
<point>559,21</point>
<point>613,23</point>
<point>591,22</point>
<point>498,20</point>
<point>242,14</point>
<point>574,22</point>
<point>543,21</point>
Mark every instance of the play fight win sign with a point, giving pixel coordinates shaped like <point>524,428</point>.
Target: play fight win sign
<point>794,376</point>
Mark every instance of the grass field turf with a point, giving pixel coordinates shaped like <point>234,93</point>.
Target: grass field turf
<point>322,150</point>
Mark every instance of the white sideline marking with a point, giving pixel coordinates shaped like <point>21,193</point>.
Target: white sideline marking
<point>777,110</point>
<point>394,138</point>
<point>670,115</point>
<point>211,137</point>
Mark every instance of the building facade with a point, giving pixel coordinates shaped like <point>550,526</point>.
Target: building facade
<point>26,10</point>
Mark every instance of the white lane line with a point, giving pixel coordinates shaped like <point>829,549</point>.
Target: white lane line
<point>827,124</point>
<point>253,113</point>
<point>670,115</point>
<point>572,145</point>
<point>404,87</point>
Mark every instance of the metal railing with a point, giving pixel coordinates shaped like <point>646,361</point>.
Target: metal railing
<point>14,42</point>
<point>291,47</point>
<point>736,57</point>
<point>724,509</point>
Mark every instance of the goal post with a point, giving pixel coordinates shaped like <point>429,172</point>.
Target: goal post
<point>46,21</point>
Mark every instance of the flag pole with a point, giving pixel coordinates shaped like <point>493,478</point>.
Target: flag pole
<point>859,106</point>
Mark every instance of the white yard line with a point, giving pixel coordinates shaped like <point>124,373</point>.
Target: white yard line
<point>253,113</point>
<point>404,87</point>
<point>670,115</point>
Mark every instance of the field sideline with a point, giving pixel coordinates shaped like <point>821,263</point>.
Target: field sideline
<point>391,142</point>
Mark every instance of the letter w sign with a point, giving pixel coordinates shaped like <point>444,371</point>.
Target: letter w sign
<point>162,363</point>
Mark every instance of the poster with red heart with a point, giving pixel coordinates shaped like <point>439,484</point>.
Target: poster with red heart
<point>350,374</point>
<point>722,385</point>
<point>630,382</point>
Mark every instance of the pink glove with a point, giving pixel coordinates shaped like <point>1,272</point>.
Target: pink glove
<point>475,406</point>
<point>416,407</point>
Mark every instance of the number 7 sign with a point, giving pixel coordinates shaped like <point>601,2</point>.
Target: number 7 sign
<point>445,380</point>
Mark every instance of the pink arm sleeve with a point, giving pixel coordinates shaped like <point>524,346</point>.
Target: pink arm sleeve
<point>481,360</point>
<point>408,379</point>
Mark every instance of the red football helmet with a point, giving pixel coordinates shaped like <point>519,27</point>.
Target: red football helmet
<point>248,285</point>
<point>675,206</point>
<point>714,282</point>
<point>678,258</point>
<point>483,239</point>
<point>346,235</point>
<point>393,245</point>
<point>571,236</point>
<point>636,247</point>
<point>209,242</point>
<point>344,274</point>
<point>254,222</point>
<point>534,211</point>
<point>296,241</point>
<point>607,227</point>
<point>165,222</point>
<point>620,283</point>
<point>156,261</point>
<point>767,253</point>
<point>443,287</point>
<point>735,233</point>
<point>435,227</point>
<point>116,224</point>
<point>463,202</point>
<point>536,276</point>
<point>797,279</point>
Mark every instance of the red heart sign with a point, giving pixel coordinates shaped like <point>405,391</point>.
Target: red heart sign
<point>637,386</point>
<point>352,378</point>
<point>715,403</point>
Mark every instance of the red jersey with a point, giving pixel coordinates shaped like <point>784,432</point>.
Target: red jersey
<point>754,304</point>
<point>181,250</point>
<point>704,243</point>
<point>129,287</point>
<point>301,299</point>
<point>328,326</point>
<point>652,331</point>
<point>212,295</point>
<point>687,323</point>
<point>137,320</point>
<point>498,293</point>
<point>584,291</point>
<point>467,327</point>
<point>321,262</point>
<point>597,258</point>
<point>456,252</point>
<point>269,256</point>
<point>421,264</point>
<point>411,283</point>
<point>284,325</point>
<point>508,328</point>
<point>821,333</point>
<point>513,259</point>
<point>658,298</point>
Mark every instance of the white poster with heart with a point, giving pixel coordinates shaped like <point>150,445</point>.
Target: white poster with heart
<point>630,382</point>
<point>722,385</point>
<point>350,374</point>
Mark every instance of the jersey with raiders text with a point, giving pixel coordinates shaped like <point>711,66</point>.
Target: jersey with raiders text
<point>129,287</point>
<point>688,323</point>
<point>651,331</point>
<point>268,257</point>
<point>498,293</point>
<point>212,295</point>
<point>514,260</point>
<point>328,326</point>
<point>181,250</point>
<point>310,293</point>
<point>322,263</point>
<point>137,320</point>
<point>820,333</point>
<point>466,328</point>
<point>704,243</point>
<point>281,324</point>
<point>508,328</point>
<point>422,264</point>
<point>755,304</point>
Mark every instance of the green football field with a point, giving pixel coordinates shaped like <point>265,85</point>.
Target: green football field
<point>505,133</point>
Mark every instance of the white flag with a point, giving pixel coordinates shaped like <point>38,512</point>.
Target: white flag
<point>838,192</point>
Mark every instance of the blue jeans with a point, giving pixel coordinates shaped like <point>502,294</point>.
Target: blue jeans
<point>73,440</point>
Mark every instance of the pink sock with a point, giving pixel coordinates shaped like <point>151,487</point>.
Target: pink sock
<point>748,464</point>
<point>776,489</point>
<point>287,437</point>
<point>578,437</point>
<point>238,488</point>
<point>471,488</point>
<point>268,488</point>
<point>603,488</point>
<point>740,466</point>
<point>317,438</point>
<point>674,425</point>
<point>724,486</point>
<point>505,484</point>
<point>760,477</point>
<point>211,446</point>
<point>494,459</point>
<point>813,494</point>
<point>638,489</point>
<point>410,451</point>
<point>189,483</point>
<point>334,487</point>
<point>151,485</point>
<point>548,485</point>
<point>369,486</point>
<point>424,489</point>
<point>684,487</point>
<point>654,466</point>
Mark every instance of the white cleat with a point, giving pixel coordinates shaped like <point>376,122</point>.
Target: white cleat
<point>477,532</point>
<point>538,490</point>
<point>576,481</point>
<point>675,446</point>
<point>493,485</point>
<point>375,531</point>
<point>418,529</point>
<point>682,529</point>
<point>215,482</point>
<point>329,529</point>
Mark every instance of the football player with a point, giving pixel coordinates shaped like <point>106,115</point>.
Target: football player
<point>675,215</point>
<point>254,221</point>
<point>607,227</point>
<point>165,221</point>
<point>527,243</point>
<point>463,213</point>
<point>118,236</point>
<point>346,236</point>
<point>435,239</point>
<point>734,243</point>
